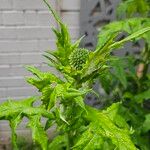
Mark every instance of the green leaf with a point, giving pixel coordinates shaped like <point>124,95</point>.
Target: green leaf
<point>119,72</point>
<point>80,101</point>
<point>14,122</point>
<point>57,92</point>
<point>139,98</point>
<point>146,124</point>
<point>130,37</point>
<point>14,111</point>
<point>101,126</point>
<point>128,25</point>
<point>42,79</point>
<point>58,143</point>
<point>38,133</point>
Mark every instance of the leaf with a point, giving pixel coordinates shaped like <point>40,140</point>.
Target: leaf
<point>80,101</point>
<point>10,108</point>
<point>129,26</point>
<point>139,98</point>
<point>119,72</point>
<point>130,8</point>
<point>146,124</point>
<point>130,37</point>
<point>113,112</point>
<point>14,111</point>
<point>42,79</point>
<point>101,126</point>
<point>57,92</point>
<point>13,124</point>
<point>38,133</point>
<point>58,143</point>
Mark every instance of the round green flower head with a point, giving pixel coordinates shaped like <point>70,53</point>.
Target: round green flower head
<point>78,58</point>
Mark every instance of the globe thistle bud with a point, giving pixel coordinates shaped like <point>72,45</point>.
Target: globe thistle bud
<point>78,58</point>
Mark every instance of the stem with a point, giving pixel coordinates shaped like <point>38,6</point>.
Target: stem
<point>68,141</point>
<point>57,18</point>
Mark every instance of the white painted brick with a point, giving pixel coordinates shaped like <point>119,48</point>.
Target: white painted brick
<point>17,91</point>
<point>18,46</point>
<point>13,18</point>
<point>23,58</point>
<point>44,18</point>
<point>44,45</point>
<point>31,4</point>
<point>6,82</point>
<point>20,70</point>
<point>40,18</point>
<point>5,4</point>
<point>30,18</point>
<point>2,92</point>
<point>31,58</point>
<point>8,32</point>
<point>13,70</point>
<point>9,46</point>
<point>1,19</point>
<point>4,70</point>
<point>9,58</point>
<point>71,18</point>
<point>26,33</point>
<point>70,5</point>
<point>34,33</point>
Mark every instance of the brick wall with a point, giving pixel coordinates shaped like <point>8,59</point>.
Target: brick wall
<point>24,35</point>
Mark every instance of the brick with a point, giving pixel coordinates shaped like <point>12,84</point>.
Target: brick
<point>34,33</point>
<point>18,46</point>
<point>2,92</point>
<point>4,70</point>
<point>70,5</point>
<point>71,18</point>
<point>6,82</point>
<point>44,18</point>
<point>40,18</point>
<point>30,18</point>
<point>26,33</point>
<point>1,19</point>
<point>5,4</point>
<point>8,33</point>
<point>44,45</point>
<point>31,5</point>
<point>13,18</point>
<point>17,92</point>
<point>31,58</point>
<point>14,70</point>
<point>23,58</point>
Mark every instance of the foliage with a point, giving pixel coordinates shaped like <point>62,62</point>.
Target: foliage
<point>78,126</point>
<point>130,8</point>
<point>128,80</point>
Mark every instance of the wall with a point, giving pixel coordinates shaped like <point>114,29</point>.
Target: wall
<point>24,35</point>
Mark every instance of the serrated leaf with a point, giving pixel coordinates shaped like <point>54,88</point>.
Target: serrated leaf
<point>80,101</point>
<point>103,126</point>
<point>38,133</point>
<point>130,37</point>
<point>14,111</point>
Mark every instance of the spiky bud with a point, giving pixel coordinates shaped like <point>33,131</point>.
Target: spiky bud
<point>78,58</point>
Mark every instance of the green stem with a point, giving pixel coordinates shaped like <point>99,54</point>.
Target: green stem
<point>68,141</point>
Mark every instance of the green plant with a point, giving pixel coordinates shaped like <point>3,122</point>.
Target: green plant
<point>128,79</point>
<point>78,126</point>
